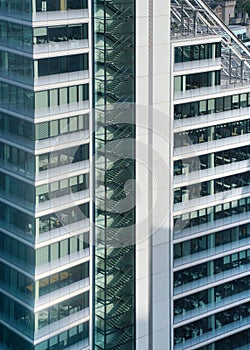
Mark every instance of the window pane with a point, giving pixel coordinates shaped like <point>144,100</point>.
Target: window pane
<point>64,248</point>
<point>73,124</point>
<point>53,97</point>
<point>63,96</point>
<point>73,94</point>
<point>54,128</point>
<point>73,245</point>
<point>63,126</point>
<point>42,131</point>
<point>42,256</point>
<point>54,251</point>
<point>41,99</point>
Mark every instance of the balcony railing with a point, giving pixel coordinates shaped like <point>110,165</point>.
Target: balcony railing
<point>60,15</point>
<point>60,46</point>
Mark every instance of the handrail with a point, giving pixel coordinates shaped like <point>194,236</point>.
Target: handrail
<point>223,26</point>
<point>204,16</point>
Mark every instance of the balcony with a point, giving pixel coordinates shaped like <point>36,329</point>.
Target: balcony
<point>206,92</point>
<point>15,139</point>
<point>84,345</point>
<point>209,337</point>
<point>64,78</point>
<point>199,65</point>
<point>206,120</point>
<point>202,92</point>
<point>45,113</point>
<point>79,226</point>
<point>62,202</point>
<point>205,310</point>
<point>47,49</point>
<point>211,200</point>
<point>26,266</point>
<point>213,253</point>
<point>56,16</point>
<point>212,280</point>
<point>213,226</point>
<point>70,139</point>
<point>211,146</point>
<point>26,234</point>
<point>61,264</point>
<point>17,201</point>
<point>63,171</point>
<point>211,173</point>
<point>24,169</point>
<point>70,289</point>
<point>64,324</point>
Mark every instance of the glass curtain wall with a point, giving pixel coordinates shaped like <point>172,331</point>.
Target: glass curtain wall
<point>114,294</point>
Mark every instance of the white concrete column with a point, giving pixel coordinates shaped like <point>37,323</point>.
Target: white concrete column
<point>142,172</point>
<point>154,85</point>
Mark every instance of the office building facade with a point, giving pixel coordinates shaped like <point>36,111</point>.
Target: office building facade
<point>124,177</point>
<point>45,100</point>
<point>210,232</point>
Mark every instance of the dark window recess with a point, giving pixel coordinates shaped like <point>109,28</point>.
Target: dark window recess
<point>65,64</point>
<point>60,5</point>
<point>197,52</point>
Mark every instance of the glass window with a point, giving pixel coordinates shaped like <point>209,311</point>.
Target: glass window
<point>203,107</point>
<point>4,32</point>
<point>53,342</point>
<point>196,52</point>
<point>218,49</point>
<point>63,338</point>
<point>53,65</point>
<point>57,34</point>
<point>54,128</point>
<point>235,101</point>
<point>53,97</point>
<point>42,131</point>
<point>73,124</point>
<point>64,184</point>
<point>54,186</point>
<point>60,5</point>
<point>177,84</point>
<point>227,103</point>
<point>63,126</point>
<point>203,52</point>
<point>73,245</point>
<point>40,35</point>
<point>194,109</point>
<point>64,65</point>
<point>42,346</point>
<point>64,243</point>
<point>63,96</point>
<point>83,121</point>
<point>243,100</point>
<point>43,67</point>
<point>41,99</point>
<point>73,94</point>
<point>42,192</point>
<point>54,251</point>
<point>83,92</point>
<point>42,256</point>
<point>73,184</point>
<point>76,4</point>
<point>219,104</point>
<point>186,53</point>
